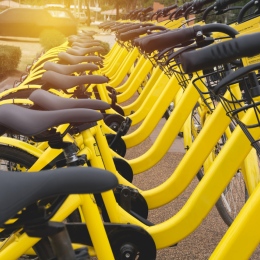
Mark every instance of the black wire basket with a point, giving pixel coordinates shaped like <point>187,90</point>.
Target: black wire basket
<point>238,92</point>
<point>128,45</point>
<point>170,64</point>
<point>153,58</point>
<point>205,84</point>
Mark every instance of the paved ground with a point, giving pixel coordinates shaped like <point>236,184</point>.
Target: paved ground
<point>201,243</point>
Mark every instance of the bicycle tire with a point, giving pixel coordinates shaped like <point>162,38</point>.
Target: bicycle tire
<point>235,195</point>
<point>16,159</point>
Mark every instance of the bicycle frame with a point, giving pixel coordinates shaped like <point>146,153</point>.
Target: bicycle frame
<point>242,238</point>
<point>19,244</point>
<point>149,159</point>
<point>211,186</point>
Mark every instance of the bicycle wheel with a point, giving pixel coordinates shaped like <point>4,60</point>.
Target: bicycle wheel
<point>235,195</point>
<point>14,159</point>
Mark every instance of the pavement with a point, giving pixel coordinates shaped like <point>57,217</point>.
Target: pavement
<point>199,244</point>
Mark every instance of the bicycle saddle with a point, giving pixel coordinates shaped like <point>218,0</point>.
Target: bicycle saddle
<point>72,59</point>
<point>61,81</point>
<point>79,51</point>
<point>20,189</point>
<point>48,101</point>
<point>86,44</point>
<point>30,122</point>
<point>69,69</point>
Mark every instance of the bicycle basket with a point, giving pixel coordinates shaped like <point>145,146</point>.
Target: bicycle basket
<point>205,84</point>
<point>170,64</point>
<point>242,92</point>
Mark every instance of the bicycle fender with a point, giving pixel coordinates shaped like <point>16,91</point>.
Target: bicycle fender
<point>21,145</point>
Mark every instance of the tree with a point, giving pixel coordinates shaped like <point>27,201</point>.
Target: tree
<point>126,5</point>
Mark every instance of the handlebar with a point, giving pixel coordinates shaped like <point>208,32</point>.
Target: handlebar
<point>207,11</point>
<point>142,11</point>
<point>172,14</point>
<point>147,10</point>
<point>156,14</point>
<point>133,27</point>
<point>219,6</point>
<point>180,11</point>
<point>135,33</point>
<point>233,76</point>
<point>196,7</point>
<point>166,10</point>
<point>138,41</point>
<point>244,10</point>
<point>178,36</point>
<point>118,26</point>
<point>198,4</point>
<point>221,53</point>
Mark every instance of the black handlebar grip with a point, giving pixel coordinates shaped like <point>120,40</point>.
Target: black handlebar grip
<point>133,27</point>
<point>221,53</point>
<point>138,41</point>
<point>128,27</point>
<point>135,33</point>
<point>178,36</point>
<point>167,40</point>
<point>132,34</point>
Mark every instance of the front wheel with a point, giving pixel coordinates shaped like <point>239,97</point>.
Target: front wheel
<point>235,195</point>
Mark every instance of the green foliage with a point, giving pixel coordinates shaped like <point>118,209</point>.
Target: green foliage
<point>51,38</point>
<point>9,58</point>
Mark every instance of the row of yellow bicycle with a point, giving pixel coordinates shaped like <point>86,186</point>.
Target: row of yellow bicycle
<point>67,189</point>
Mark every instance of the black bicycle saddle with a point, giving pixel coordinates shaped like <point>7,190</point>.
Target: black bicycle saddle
<point>61,81</point>
<point>48,101</point>
<point>69,69</point>
<point>80,51</point>
<point>30,122</point>
<point>72,59</point>
<point>20,189</point>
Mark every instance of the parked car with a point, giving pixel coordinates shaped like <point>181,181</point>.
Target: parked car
<point>60,11</point>
<point>82,18</point>
<point>30,22</point>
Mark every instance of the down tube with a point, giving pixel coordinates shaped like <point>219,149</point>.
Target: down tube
<point>168,133</point>
<point>154,114</point>
<point>191,162</point>
<point>207,191</point>
<point>243,236</point>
